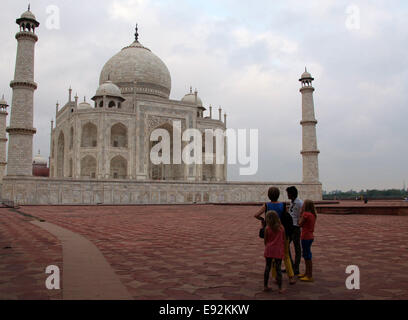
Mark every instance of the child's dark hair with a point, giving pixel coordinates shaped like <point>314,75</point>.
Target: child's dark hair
<point>273,194</point>
<point>292,191</point>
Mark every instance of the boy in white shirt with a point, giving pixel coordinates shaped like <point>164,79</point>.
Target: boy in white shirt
<point>295,211</point>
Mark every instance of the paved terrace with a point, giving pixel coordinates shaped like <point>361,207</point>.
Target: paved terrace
<point>198,252</point>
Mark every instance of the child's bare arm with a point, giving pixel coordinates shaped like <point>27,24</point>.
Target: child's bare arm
<point>301,220</point>
<point>260,212</point>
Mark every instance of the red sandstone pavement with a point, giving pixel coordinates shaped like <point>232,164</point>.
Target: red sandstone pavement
<point>25,252</point>
<point>212,252</point>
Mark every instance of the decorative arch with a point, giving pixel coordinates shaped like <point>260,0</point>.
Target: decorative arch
<point>208,170</point>
<point>88,167</point>
<point>70,168</point>
<point>118,168</point>
<point>165,171</point>
<point>112,104</point>
<point>89,137</point>
<point>119,136</point>
<point>60,155</point>
<point>71,138</point>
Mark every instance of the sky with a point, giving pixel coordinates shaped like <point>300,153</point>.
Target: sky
<point>247,57</point>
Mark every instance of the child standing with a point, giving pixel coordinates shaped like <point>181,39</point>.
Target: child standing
<point>307,222</point>
<point>286,221</point>
<point>274,248</point>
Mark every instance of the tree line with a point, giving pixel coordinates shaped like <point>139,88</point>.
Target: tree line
<point>371,194</point>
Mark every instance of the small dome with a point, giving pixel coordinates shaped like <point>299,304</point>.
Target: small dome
<point>28,15</point>
<point>306,75</point>
<point>108,88</point>
<point>3,102</point>
<point>39,160</point>
<point>84,105</point>
<point>191,98</point>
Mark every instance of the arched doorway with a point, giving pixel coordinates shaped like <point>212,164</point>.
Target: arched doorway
<point>118,168</point>
<point>88,167</point>
<point>89,136</point>
<point>165,171</point>
<point>119,136</point>
<point>60,155</point>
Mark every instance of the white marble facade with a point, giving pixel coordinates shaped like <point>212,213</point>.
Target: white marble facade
<point>110,138</point>
<point>100,151</point>
<point>44,191</point>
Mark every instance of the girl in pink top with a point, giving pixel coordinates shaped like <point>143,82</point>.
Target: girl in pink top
<point>307,222</point>
<point>274,248</point>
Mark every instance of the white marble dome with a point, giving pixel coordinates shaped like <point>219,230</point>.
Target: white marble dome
<point>84,105</point>
<point>191,98</point>
<point>28,15</point>
<point>137,63</point>
<point>39,159</point>
<point>3,102</point>
<point>108,88</point>
<point>306,75</point>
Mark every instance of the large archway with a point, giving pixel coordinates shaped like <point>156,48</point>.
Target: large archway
<point>88,167</point>
<point>118,168</point>
<point>165,171</point>
<point>70,174</point>
<point>119,137</point>
<point>208,170</point>
<point>71,138</point>
<point>89,136</point>
<point>60,155</point>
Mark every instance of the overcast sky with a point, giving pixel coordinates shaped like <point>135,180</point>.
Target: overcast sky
<point>247,57</point>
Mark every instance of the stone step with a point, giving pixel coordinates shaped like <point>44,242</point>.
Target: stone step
<point>335,210</point>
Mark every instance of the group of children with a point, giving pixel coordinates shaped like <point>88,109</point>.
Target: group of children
<point>281,228</point>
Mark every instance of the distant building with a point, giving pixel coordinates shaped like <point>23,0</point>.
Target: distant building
<point>40,168</point>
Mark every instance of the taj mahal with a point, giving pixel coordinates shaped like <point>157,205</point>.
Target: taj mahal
<point>100,149</point>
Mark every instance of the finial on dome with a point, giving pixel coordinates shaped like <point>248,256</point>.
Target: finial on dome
<point>39,151</point>
<point>29,7</point>
<point>137,33</point>
<point>191,89</point>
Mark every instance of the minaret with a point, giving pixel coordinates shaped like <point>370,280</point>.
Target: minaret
<point>309,152</point>
<point>3,137</point>
<point>50,156</point>
<point>21,131</point>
